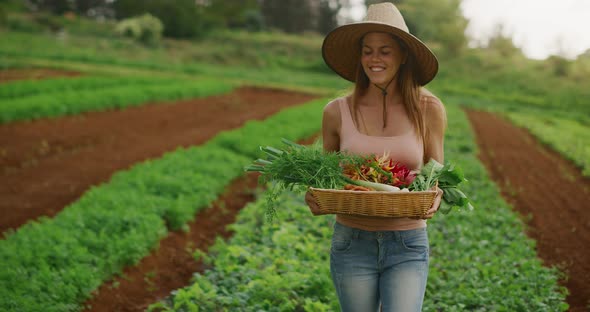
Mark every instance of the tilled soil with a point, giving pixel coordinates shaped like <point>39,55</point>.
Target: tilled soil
<point>47,164</point>
<point>549,193</point>
<point>172,265</point>
<point>7,75</point>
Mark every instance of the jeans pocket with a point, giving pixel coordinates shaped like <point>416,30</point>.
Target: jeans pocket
<point>339,245</point>
<point>416,243</point>
<point>341,238</point>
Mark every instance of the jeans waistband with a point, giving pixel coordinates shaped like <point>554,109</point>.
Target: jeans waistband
<point>354,233</point>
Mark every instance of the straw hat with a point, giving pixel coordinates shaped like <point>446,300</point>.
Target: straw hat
<point>341,48</point>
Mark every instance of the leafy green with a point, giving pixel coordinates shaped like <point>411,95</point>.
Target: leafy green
<point>448,177</point>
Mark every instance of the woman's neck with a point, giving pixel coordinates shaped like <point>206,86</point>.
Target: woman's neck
<point>374,96</point>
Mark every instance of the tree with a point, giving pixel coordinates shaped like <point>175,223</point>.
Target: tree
<point>53,6</point>
<point>234,13</point>
<point>328,15</point>
<point>86,7</point>
<point>292,16</point>
<point>502,43</point>
<point>181,18</point>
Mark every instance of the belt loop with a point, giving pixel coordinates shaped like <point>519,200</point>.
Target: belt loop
<point>355,234</point>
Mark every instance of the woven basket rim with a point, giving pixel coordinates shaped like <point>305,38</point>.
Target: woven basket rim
<point>371,192</point>
<point>374,203</point>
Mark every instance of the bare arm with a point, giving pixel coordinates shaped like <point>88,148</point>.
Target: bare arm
<point>331,138</point>
<point>331,127</point>
<point>436,124</point>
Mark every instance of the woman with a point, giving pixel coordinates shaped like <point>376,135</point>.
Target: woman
<point>382,262</point>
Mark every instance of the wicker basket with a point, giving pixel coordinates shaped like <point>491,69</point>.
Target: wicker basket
<point>373,203</point>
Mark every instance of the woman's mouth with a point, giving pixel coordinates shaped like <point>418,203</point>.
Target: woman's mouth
<point>377,68</point>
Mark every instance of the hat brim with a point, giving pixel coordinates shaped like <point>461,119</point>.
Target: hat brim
<point>341,50</point>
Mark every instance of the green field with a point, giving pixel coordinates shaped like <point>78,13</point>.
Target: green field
<point>480,261</point>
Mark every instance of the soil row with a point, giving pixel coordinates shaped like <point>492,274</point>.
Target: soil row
<point>548,191</point>
<point>47,164</point>
<point>8,75</point>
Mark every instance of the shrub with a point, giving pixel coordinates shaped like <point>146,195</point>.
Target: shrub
<point>3,17</point>
<point>181,18</point>
<point>145,28</point>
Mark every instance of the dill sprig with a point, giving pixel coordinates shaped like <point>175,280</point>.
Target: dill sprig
<point>297,167</point>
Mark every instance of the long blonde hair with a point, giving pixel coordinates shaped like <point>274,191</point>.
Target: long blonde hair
<point>409,88</point>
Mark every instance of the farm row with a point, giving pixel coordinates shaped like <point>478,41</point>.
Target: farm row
<point>57,97</point>
<point>480,260</point>
<point>526,89</point>
<point>118,223</point>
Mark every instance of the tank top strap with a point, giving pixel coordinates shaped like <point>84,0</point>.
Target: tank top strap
<point>347,126</point>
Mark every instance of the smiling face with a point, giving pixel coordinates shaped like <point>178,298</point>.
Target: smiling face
<point>381,57</point>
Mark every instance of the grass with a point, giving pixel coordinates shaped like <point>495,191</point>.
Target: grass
<point>568,137</point>
<point>100,97</point>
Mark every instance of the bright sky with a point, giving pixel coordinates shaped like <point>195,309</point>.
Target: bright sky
<point>539,27</point>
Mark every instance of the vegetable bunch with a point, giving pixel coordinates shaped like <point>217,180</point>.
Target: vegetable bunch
<point>447,178</point>
<point>380,170</point>
<point>298,166</point>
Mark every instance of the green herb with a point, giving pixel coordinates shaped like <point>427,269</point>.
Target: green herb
<point>299,167</point>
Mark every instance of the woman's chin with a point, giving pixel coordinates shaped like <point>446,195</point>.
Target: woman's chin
<point>380,82</point>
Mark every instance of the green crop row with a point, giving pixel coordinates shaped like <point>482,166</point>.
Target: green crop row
<point>26,88</point>
<point>568,137</point>
<point>84,49</point>
<point>562,130</point>
<point>74,102</point>
<point>54,264</point>
<point>279,266</point>
<point>566,100</point>
<point>265,67</point>
<point>481,260</point>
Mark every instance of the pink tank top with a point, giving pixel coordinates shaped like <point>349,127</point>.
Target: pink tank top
<point>406,148</point>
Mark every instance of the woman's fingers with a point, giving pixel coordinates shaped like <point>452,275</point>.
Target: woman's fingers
<point>312,203</point>
<point>430,213</point>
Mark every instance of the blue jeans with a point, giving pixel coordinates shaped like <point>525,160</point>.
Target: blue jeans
<point>379,269</point>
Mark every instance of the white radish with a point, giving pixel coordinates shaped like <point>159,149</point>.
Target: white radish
<point>377,186</point>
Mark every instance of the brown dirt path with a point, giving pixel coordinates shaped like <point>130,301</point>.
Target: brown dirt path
<point>47,164</point>
<point>172,265</point>
<point>7,75</point>
<point>541,184</point>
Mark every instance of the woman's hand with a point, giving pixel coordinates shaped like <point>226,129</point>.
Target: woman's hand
<point>430,213</point>
<point>313,204</point>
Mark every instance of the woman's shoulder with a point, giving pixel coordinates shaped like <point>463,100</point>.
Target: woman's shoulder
<point>332,109</point>
<point>335,103</point>
<point>428,98</point>
<point>433,108</point>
